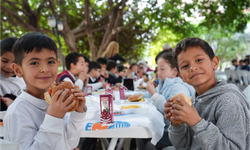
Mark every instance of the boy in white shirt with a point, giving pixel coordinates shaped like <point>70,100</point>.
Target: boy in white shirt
<point>11,85</point>
<point>94,75</point>
<point>30,121</point>
<point>76,71</point>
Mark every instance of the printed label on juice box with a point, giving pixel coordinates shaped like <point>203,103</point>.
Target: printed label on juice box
<point>107,86</point>
<point>106,106</point>
<point>88,90</point>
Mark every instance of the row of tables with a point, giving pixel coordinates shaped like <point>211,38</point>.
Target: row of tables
<point>149,124</point>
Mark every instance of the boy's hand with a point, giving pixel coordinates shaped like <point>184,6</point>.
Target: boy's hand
<point>150,88</point>
<point>84,77</point>
<point>7,101</point>
<point>60,104</point>
<point>81,97</point>
<point>167,111</point>
<point>184,112</point>
<point>105,74</point>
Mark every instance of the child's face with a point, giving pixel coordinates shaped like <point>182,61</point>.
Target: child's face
<point>103,67</point>
<point>80,65</point>
<point>164,70</point>
<point>87,66</point>
<point>196,68</point>
<point>134,68</point>
<point>7,59</point>
<point>39,71</point>
<point>97,73</point>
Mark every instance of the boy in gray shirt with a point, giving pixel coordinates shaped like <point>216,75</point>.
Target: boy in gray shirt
<point>220,116</point>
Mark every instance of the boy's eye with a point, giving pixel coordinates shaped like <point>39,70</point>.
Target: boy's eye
<point>185,66</point>
<point>34,63</point>
<point>5,61</point>
<point>198,60</point>
<point>52,62</point>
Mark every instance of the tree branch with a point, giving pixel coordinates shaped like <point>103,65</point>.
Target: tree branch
<point>40,7</point>
<point>79,27</point>
<point>20,20</point>
<point>15,7</point>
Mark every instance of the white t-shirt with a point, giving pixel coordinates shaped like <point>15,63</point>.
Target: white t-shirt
<point>27,123</point>
<point>11,85</point>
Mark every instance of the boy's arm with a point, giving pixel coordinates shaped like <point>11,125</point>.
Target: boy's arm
<point>74,128</point>
<point>231,129</point>
<point>95,86</point>
<point>25,131</point>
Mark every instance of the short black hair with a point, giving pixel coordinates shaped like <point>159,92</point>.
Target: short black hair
<point>72,57</point>
<point>192,42</point>
<point>102,61</point>
<point>120,67</point>
<point>94,65</point>
<point>234,60</point>
<point>34,41</point>
<point>111,64</point>
<point>7,44</point>
<point>86,59</point>
<point>168,57</point>
<point>162,52</point>
<point>132,65</point>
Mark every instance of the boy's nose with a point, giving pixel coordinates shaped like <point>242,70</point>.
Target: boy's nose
<point>192,68</point>
<point>44,69</point>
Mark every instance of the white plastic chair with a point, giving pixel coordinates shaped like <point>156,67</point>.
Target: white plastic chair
<point>247,93</point>
<point>6,145</point>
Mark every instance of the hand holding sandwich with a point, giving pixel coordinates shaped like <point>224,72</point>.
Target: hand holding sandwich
<point>64,97</point>
<point>180,111</point>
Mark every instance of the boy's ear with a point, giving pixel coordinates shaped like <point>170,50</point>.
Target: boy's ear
<point>17,69</point>
<point>59,63</point>
<point>72,66</point>
<point>216,61</point>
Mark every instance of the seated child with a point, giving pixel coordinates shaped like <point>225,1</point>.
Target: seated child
<point>111,69</point>
<point>29,120</point>
<point>169,85</point>
<point>220,115</point>
<point>94,74</point>
<point>132,71</point>
<point>11,85</point>
<point>76,70</point>
<point>87,61</point>
<point>103,62</point>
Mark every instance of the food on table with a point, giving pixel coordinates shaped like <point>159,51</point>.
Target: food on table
<point>136,98</point>
<point>181,96</point>
<point>145,79</point>
<point>61,86</point>
<point>130,107</point>
<point>142,87</point>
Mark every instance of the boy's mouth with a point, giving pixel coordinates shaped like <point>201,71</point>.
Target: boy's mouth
<point>7,71</point>
<point>43,78</point>
<point>197,74</point>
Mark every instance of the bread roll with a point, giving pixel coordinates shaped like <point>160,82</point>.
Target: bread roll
<point>135,98</point>
<point>181,96</point>
<point>61,86</point>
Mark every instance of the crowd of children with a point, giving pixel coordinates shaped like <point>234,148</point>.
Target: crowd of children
<point>218,119</point>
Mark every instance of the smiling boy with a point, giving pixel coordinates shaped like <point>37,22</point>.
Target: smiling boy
<point>11,85</point>
<point>30,121</point>
<point>220,116</point>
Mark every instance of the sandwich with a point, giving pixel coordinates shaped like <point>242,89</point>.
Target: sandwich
<point>145,79</point>
<point>181,96</point>
<point>61,86</point>
<point>136,98</point>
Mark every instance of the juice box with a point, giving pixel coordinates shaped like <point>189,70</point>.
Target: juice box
<point>111,91</point>
<point>122,92</point>
<point>106,106</point>
<point>88,90</point>
<point>107,86</point>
